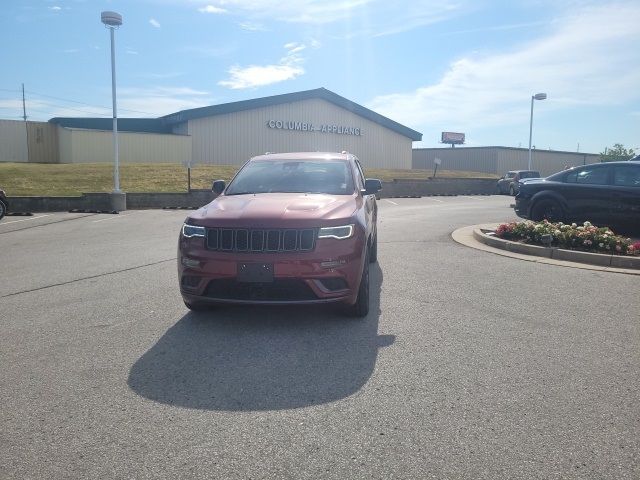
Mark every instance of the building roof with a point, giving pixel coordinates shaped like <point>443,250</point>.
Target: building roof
<point>321,93</point>
<point>144,125</point>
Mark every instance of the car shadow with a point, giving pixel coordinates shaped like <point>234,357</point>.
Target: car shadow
<point>262,358</point>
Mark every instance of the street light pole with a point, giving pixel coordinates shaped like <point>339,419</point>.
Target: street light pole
<point>537,96</point>
<point>113,20</point>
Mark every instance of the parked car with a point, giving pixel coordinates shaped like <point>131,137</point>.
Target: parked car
<point>294,228</point>
<point>509,183</point>
<point>4,204</point>
<point>606,194</point>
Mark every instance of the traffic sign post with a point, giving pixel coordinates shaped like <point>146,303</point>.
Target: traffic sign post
<point>436,162</point>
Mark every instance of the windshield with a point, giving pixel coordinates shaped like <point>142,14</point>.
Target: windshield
<point>293,176</point>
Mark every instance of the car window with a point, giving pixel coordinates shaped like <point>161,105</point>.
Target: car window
<point>589,176</point>
<point>529,175</point>
<point>360,174</point>
<point>510,175</point>
<point>293,176</point>
<point>627,176</point>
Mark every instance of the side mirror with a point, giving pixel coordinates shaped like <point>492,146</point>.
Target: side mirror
<point>218,186</point>
<point>372,186</point>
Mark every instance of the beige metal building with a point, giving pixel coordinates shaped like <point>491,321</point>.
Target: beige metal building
<point>23,142</point>
<point>229,134</point>
<point>498,160</point>
<point>313,120</point>
<point>96,146</point>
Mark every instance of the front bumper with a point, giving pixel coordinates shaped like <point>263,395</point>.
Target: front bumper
<point>330,273</point>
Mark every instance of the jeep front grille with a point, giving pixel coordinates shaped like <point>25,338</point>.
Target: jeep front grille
<point>261,240</point>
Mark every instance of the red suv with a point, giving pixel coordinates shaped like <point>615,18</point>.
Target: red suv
<point>291,228</point>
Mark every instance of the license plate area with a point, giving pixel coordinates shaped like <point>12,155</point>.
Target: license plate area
<point>255,272</point>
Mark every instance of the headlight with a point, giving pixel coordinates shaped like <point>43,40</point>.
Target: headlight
<point>339,233</point>
<point>193,231</point>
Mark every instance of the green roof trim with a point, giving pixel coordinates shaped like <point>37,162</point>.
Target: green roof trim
<point>140,125</point>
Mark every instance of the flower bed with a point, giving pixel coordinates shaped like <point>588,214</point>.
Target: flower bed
<point>585,237</point>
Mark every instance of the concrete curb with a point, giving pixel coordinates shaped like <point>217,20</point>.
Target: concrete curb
<point>473,237</point>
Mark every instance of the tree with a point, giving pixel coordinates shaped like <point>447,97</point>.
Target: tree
<point>616,153</point>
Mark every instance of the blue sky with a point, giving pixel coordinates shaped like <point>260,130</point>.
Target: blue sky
<point>446,65</point>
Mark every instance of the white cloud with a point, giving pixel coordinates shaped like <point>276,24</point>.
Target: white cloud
<point>259,76</point>
<point>252,27</point>
<point>154,22</point>
<point>55,8</point>
<point>130,51</point>
<point>158,101</point>
<point>294,48</point>
<point>212,9</point>
<point>366,17</point>
<point>288,68</point>
<point>579,63</point>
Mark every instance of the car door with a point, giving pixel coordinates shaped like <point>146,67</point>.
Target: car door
<point>504,182</point>
<point>625,206</point>
<point>588,193</point>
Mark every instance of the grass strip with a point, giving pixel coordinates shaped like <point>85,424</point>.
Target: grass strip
<point>30,179</point>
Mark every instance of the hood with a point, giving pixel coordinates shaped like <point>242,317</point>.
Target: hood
<point>265,210</point>
<point>529,181</point>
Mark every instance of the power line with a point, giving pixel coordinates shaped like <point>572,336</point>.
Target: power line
<point>74,101</point>
<point>84,103</point>
<point>41,102</point>
<point>56,105</point>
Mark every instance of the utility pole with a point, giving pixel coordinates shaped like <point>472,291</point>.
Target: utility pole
<point>26,125</point>
<point>24,107</point>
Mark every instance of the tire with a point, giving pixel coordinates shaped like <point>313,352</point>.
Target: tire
<point>547,209</point>
<point>361,307</point>
<point>512,191</point>
<point>373,249</point>
<point>196,307</point>
<point>3,209</point>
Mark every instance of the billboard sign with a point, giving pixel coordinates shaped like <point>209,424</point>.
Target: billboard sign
<point>452,138</point>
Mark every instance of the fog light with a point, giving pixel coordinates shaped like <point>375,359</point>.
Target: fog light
<point>190,262</point>
<point>190,281</point>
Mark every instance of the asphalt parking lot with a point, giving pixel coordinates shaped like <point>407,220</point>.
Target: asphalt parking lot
<point>469,365</point>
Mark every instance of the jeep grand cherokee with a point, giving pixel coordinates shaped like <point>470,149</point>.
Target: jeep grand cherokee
<point>294,228</point>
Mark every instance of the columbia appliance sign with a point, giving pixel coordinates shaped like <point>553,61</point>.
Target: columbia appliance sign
<point>310,127</point>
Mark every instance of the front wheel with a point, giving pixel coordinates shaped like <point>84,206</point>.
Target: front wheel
<point>547,209</point>
<point>3,209</point>
<point>512,191</point>
<point>361,307</point>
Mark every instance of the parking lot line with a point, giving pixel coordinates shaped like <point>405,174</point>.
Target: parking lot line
<point>390,201</point>
<point>438,200</point>
<point>113,217</point>
<point>26,219</point>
